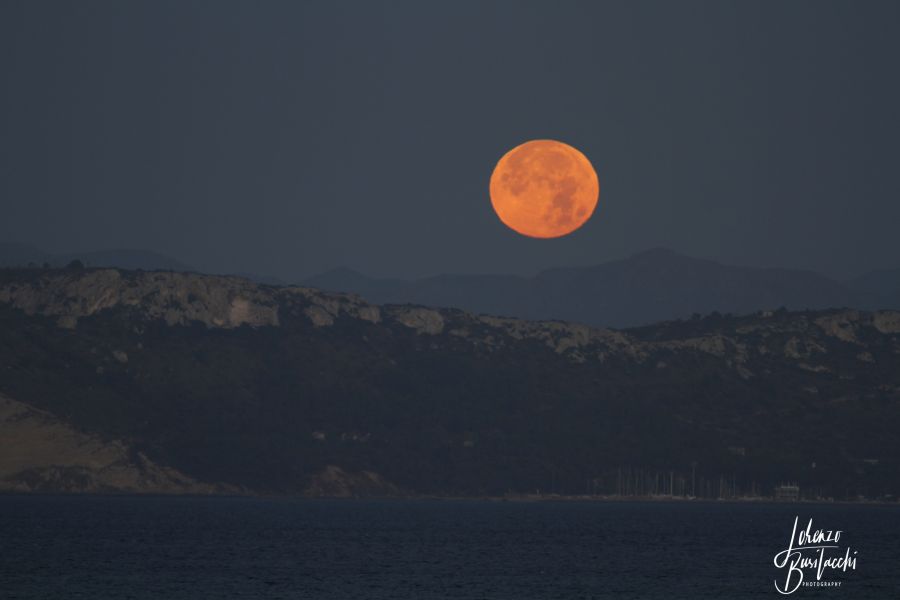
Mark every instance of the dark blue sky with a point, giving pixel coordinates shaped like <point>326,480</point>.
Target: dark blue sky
<point>286,138</point>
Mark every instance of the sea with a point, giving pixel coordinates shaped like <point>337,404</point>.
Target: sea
<point>220,547</point>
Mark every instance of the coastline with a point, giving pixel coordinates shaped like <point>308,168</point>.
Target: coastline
<point>514,498</point>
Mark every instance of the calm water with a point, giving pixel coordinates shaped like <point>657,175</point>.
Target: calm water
<point>133,547</point>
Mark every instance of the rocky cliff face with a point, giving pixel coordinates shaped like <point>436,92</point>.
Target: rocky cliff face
<point>292,389</point>
<point>229,302</point>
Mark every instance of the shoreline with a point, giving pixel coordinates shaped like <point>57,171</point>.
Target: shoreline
<point>519,498</point>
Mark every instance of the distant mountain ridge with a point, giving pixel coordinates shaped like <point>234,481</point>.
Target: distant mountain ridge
<point>878,288</point>
<point>23,255</point>
<point>651,286</point>
<point>14,255</point>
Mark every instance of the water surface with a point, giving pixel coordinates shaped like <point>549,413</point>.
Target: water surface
<point>170,547</point>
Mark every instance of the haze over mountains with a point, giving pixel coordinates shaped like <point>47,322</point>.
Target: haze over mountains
<point>650,286</point>
<point>23,255</point>
<point>14,254</point>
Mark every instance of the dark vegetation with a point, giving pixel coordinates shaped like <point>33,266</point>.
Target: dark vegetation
<point>268,407</point>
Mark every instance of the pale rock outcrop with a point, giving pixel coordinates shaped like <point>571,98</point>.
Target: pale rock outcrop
<point>841,325</point>
<point>865,357</point>
<point>715,345</point>
<point>423,320</point>
<point>564,336</point>
<point>886,321</point>
<point>178,298</point>
<point>324,307</point>
<point>802,349</point>
<point>319,316</point>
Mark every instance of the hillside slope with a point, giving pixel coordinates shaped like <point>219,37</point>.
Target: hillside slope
<point>39,453</point>
<point>286,389</point>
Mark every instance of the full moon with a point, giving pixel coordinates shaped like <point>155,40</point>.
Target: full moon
<point>544,189</point>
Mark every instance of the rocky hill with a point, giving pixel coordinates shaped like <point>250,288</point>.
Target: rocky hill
<point>38,453</point>
<point>296,390</point>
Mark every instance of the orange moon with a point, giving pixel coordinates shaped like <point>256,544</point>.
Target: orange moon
<point>544,189</point>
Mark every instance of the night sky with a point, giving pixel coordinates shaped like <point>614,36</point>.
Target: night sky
<point>287,138</point>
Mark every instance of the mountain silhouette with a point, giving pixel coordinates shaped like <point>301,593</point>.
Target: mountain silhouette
<point>20,255</point>
<point>13,254</point>
<point>651,286</point>
<point>877,289</point>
